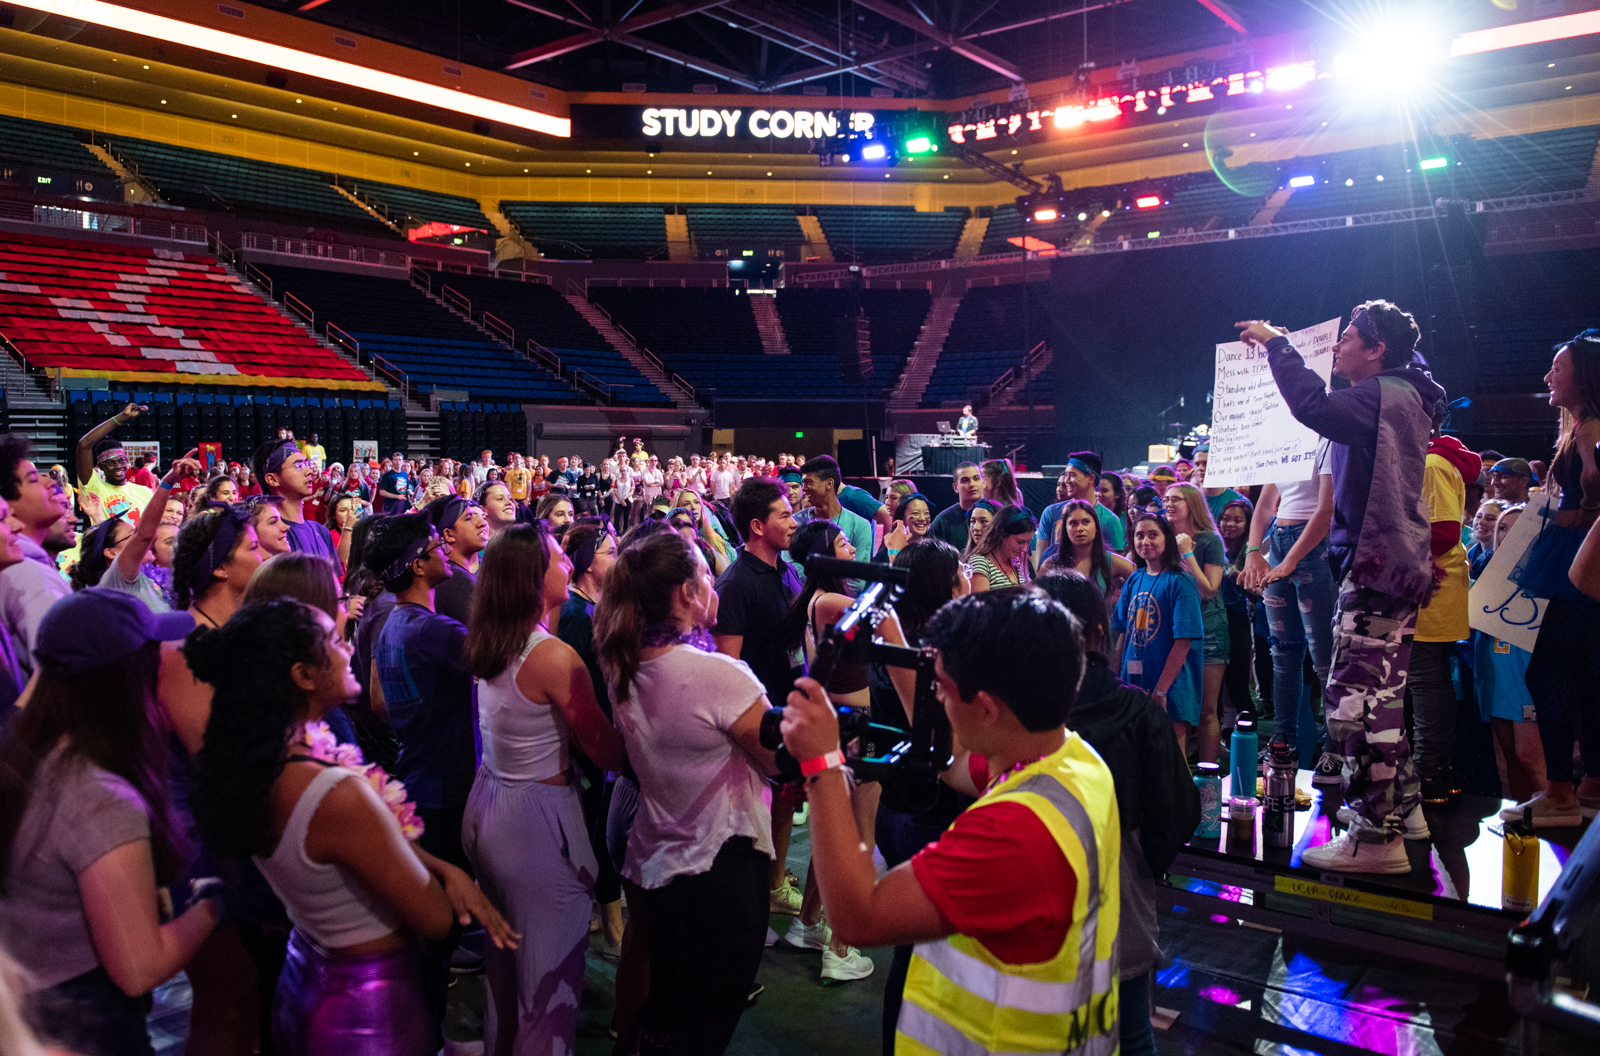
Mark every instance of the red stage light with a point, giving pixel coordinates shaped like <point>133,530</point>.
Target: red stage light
<point>1044,216</point>
<point>1149,201</point>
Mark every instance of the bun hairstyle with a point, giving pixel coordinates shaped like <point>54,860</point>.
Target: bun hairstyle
<point>638,594</point>
<point>254,706</point>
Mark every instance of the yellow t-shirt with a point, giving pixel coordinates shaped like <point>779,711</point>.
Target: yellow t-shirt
<point>315,452</point>
<point>128,500</point>
<point>517,481</point>
<point>1444,618</point>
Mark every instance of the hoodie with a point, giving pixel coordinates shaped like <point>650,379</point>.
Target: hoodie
<point>1383,420</point>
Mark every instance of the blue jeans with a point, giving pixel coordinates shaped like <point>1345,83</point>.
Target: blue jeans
<point>1138,1037</point>
<point>1309,588</point>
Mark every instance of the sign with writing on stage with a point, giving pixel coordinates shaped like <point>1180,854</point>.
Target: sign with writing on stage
<point>1498,605</point>
<point>1254,438</point>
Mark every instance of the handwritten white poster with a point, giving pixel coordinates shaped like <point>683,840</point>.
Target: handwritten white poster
<point>1254,438</point>
<point>1497,605</point>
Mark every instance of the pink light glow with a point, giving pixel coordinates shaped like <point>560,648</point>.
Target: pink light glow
<point>295,61</point>
<point>1559,28</point>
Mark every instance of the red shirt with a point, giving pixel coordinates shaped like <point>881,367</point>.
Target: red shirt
<point>996,875</point>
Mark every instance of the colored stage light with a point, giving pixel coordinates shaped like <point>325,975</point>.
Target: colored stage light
<point>1149,201</point>
<point>919,145</point>
<point>1302,181</point>
<point>218,42</point>
<point>1045,215</point>
<point>1558,28</point>
<point>1434,163</point>
<point>874,152</point>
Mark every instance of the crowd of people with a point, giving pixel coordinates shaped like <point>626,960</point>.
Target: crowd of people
<point>324,735</point>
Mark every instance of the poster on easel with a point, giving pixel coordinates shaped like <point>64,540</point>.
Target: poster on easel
<point>366,450</point>
<point>1498,605</point>
<point>1254,438</point>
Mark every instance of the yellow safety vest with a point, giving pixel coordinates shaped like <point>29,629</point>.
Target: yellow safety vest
<point>962,1000</point>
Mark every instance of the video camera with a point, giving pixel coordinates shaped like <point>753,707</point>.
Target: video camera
<point>926,751</point>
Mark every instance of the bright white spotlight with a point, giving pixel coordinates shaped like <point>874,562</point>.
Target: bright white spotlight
<point>1391,56</point>
<point>1045,215</point>
<point>1302,181</point>
<point>874,152</point>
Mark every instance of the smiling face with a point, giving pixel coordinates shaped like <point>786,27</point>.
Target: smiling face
<point>1012,548</point>
<point>499,507</point>
<point>34,506</point>
<point>1108,494</point>
<point>1080,485</point>
<point>10,536</point>
<point>1353,359</point>
<point>1483,523</point>
<point>1148,541</point>
<point>917,517</point>
<point>1503,526</point>
<point>330,682</point>
<point>228,492</point>
<point>1233,524</point>
<point>1562,381</point>
<point>271,530</point>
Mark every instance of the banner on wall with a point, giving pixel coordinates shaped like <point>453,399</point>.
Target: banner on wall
<point>366,450</point>
<point>1254,438</point>
<point>211,455</point>
<point>1497,604</point>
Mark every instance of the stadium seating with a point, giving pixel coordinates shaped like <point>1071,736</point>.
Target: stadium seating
<point>96,310</point>
<point>1557,160</point>
<point>986,339</point>
<point>409,207</point>
<point>50,146</point>
<point>201,179</point>
<point>538,311</point>
<point>879,234</point>
<point>1204,203</point>
<point>731,228</point>
<point>1005,224</point>
<point>434,347</point>
<point>580,230</point>
<point>810,318</point>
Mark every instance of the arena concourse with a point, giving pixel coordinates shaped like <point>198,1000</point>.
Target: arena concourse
<point>467,398</point>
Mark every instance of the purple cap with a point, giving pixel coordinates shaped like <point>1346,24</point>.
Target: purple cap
<point>97,627</point>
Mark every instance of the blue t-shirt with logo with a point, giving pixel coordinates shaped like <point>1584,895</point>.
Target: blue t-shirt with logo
<point>1152,611</point>
<point>395,482</point>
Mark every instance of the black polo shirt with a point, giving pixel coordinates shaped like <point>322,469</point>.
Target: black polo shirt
<point>752,597</point>
<point>951,526</point>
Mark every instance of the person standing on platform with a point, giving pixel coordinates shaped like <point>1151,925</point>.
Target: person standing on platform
<point>1082,481</point>
<point>286,472</point>
<point>951,523</point>
<point>967,424</point>
<point>1379,547</point>
<point>394,487</point>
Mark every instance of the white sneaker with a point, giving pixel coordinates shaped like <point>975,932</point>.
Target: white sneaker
<point>784,900</point>
<point>809,936</point>
<point>853,965</point>
<point>1346,854</point>
<point>772,937</point>
<point>803,815</point>
<point>1415,827</point>
<point>1544,814</point>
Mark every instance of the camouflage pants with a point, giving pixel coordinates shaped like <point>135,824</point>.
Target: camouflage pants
<point>1366,708</point>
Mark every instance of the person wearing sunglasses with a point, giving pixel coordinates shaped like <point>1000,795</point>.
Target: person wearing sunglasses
<point>284,471</point>
<point>103,468</point>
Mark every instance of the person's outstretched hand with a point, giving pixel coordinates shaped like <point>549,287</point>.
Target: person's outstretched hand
<point>1258,331</point>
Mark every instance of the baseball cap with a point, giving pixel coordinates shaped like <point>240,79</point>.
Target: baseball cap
<point>96,627</point>
<point>1517,467</point>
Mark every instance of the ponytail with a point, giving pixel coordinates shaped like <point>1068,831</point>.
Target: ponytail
<point>637,594</point>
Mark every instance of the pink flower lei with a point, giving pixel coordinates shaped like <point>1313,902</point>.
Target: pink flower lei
<point>329,749</point>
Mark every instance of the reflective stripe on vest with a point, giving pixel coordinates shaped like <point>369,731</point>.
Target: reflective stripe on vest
<point>961,1000</point>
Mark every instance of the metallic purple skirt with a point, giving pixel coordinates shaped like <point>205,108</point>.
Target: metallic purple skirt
<point>328,1005</point>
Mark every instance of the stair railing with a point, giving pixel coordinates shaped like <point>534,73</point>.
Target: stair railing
<point>300,308</point>
<point>395,375</point>
<point>456,300</point>
<point>259,277</point>
<point>1011,375</point>
<point>499,328</point>
<point>337,334</point>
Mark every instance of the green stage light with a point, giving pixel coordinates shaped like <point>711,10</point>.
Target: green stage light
<point>919,145</point>
<point>1435,163</point>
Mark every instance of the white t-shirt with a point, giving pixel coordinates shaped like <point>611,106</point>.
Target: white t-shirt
<point>723,481</point>
<point>1298,501</point>
<point>698,788</point>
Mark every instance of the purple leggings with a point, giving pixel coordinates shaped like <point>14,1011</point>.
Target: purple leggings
<point>329,1005</point>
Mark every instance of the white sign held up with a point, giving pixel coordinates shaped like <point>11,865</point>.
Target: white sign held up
<point>1497,605</point>
<point>1254,438</point>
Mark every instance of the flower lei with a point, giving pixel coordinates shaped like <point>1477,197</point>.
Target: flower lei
<point>329,749</point>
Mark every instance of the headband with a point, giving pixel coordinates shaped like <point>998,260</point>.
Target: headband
<point>1368,329</point>
<point>216,554</point>
<point>110,452</point>
<point>402,564</point>
<point>992,507</point>
<point>279,456</point>
<point>1083,467</point>
<point>450,512</point>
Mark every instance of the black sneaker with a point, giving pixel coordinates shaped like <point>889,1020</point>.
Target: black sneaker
<point>1329,770</point>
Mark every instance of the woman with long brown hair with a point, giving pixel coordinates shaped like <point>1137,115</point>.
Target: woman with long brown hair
<point>524,827</point>
<point>1000,556</point>
<point>698,853</point>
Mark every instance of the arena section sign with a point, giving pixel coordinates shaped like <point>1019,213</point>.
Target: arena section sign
<point>712,127</point>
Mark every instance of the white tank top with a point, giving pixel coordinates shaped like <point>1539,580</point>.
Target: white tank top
<point>324,902</point>
<point>522,741</point>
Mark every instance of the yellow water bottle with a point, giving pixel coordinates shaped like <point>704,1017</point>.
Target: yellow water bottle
<point>1519,874</point>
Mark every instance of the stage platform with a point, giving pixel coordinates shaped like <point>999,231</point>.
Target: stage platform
<point>1445,912</point>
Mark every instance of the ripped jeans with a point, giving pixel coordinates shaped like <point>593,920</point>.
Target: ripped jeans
<point>1309,588</point>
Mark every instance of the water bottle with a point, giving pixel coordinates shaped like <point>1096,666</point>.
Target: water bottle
<point>1209,782</point>
<point>1242,749</point>
<point>1519,872</point>
<point>1277,804</point>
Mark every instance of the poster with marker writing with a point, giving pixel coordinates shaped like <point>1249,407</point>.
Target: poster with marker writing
<point>1497,604</point>
<point>1254,438</point>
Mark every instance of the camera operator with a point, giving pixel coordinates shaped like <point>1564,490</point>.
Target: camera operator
<point>1014,910</point>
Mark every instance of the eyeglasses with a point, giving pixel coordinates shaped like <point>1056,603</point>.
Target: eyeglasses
<point>114,460</point>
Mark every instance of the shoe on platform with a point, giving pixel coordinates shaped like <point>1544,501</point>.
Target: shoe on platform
<point>853,965</point>
<point>772,937</point>
<point>1328,771</point>
<point>809,936</point>
<point>1346,854</point>
<point>784,900</point>
<point>1415,827</point>
<point>1543,814</point>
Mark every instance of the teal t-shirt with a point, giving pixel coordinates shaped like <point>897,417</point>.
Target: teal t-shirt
<point>1209,550</point>
<point>1221,499</point>
<point>1153,611</point>
<point>1112,535</point>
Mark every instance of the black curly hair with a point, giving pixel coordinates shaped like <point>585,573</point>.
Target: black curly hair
<point>254,707</point>
<point>195,537</point>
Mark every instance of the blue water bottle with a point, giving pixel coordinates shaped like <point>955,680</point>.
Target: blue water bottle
<point>1209,781</point>
<point>1243,749</point>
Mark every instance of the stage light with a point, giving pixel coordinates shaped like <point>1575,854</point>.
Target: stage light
<point>1287,78</point>
<point>1045,215</point>
<point>1302,181</point>
<point>1434,163</point>
<point>1391,56</point>
<point>1082,217</point>
<point>1561,27</point>
<point>919,145</point>
<point>1349,183</point>
<point>1152,234</point>
<point>1149,201</point>
<point>1105,212</point>
<point>874,152</point>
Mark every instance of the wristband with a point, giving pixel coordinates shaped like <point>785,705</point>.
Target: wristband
<point>164,485</point>
<point>1251,550</point>
<point>891,552</point>
<point>1186,554</point>
<point>827,761</point>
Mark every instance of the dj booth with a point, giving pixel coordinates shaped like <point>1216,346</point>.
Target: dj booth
<point>1446,912</point>
<point>943,459</point>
